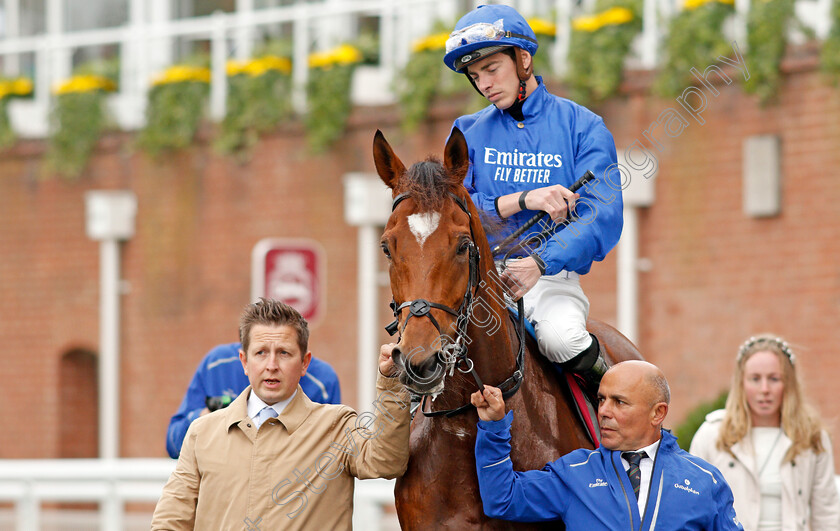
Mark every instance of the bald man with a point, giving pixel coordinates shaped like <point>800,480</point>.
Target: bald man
<point>661,487</point>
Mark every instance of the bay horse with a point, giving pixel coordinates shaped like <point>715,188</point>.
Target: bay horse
<point>455,333</point>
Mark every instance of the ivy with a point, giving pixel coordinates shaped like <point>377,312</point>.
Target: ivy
<point>328,101</point>
<point>78,119</point>
<point>7,135</point>
<point>328,94</point>
<point>420,83</point>
<point>596,55</point>
<point>767,26</point>
<point>176,106</point>
<point>11,88</point>
<point>694,37</point>
<point>830,55</point>
<point>255,104</point>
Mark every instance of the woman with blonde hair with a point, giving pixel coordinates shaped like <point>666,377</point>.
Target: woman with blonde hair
<point>770,444</point>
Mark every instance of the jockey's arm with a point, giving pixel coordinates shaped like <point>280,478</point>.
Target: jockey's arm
<point>554,200</point>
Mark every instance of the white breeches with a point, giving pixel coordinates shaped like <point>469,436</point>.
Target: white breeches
<point>558,308</point>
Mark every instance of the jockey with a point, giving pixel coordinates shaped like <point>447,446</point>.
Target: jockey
<point>526,150</point>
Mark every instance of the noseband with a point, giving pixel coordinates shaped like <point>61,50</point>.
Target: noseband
<point>456,353</point>
<point>422,307</point>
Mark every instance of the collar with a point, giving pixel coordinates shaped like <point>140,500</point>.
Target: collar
<point>256,404</point>
<point>650,450</point>
<point>293,415</point>
<point>533,104</point>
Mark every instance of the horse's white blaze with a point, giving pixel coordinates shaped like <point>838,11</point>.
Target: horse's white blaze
<point>423,225</point>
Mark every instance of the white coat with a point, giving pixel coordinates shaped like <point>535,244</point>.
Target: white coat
<point>809,493</point>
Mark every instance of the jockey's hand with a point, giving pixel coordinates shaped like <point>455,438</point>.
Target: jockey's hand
<point>386,362</point>
<point>490,405</point>
<point>520,276</point>
<point>555,200</point>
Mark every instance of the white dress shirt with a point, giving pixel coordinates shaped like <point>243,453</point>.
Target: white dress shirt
<point>255,405</point>
<point>646,469</point>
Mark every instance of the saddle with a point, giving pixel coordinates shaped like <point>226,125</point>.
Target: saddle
<point>587,410</point>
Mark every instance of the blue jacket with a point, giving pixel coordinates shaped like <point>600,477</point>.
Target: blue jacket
<point>589,489</point>
<point>558,141</point>
<point>220,374</point>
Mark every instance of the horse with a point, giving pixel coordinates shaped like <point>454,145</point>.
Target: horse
<point>455,334</point>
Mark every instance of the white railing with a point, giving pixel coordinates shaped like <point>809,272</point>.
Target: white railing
<point>27,483</point>
<point>146,44</point>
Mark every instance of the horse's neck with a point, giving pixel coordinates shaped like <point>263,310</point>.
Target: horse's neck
<point>492,349</point>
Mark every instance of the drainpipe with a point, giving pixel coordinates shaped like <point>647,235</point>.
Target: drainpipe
<point>110,220</point>
<point>367,205</point>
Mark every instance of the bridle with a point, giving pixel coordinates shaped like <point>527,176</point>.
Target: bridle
<point>455,353</point>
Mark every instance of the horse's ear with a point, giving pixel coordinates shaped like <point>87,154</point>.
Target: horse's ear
<point>455,154</point>
<point>389,167</point>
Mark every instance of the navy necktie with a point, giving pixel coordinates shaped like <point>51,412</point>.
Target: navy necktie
<point>634,472</point>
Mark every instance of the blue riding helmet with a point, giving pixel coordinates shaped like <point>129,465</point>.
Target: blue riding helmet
<point>486,30</point>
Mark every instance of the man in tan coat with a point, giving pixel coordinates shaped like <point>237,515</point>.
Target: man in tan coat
<point>273,459</point>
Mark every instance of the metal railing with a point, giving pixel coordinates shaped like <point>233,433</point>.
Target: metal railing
<point>27,483</point>
<point>146,47</point>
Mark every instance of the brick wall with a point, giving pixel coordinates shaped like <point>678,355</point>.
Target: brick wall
<point>717,275</point>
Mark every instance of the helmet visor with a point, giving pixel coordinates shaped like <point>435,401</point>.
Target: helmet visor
<point>483,31</point>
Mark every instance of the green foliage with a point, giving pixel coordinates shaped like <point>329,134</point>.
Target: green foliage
<point>78,119</point>
<point>420,83</point>
<point>767,27</point>
<point>596,58</point>
<point>328,101</point>
<point>255,104</point>
<point>173,115</point>
<point>830,55</point>
<point>695,39</point>
<point>695,418</point>
<point>107,68</point>
<point>368,45</point>
<point>7,135</point>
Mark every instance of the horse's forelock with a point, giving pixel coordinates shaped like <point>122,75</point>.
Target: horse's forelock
<point>428,183</point>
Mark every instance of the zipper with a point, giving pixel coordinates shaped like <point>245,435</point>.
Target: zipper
<point>624,491</point>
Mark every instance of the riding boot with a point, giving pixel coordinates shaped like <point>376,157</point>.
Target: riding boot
<point>590,365</point>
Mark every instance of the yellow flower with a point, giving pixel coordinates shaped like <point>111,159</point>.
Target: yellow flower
<point>234,67</point>
<point>342,55</point>
<point>432,42</point>
<point>542,26</point>
<point>694,4</point>
<point>182,74</point>
<point>15,87</point>
<point>85,84</point>
<point>261,65</point>
<point>610,17</point>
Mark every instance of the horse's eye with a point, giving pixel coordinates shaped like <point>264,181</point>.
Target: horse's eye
<point>464,246</point>
<point>385,250</point>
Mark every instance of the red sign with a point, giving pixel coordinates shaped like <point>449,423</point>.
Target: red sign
<point>292,271</point>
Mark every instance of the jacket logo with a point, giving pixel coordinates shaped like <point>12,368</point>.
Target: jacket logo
<point>598,483</point>
<point>686,487</point>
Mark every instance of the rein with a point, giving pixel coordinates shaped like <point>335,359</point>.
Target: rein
<point>457,354</point>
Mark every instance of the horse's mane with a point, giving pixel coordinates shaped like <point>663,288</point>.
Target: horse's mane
<point>428,183</point>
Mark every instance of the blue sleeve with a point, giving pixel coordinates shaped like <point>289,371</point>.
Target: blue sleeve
<point>599,209</point>
<point>334,391</point>
<point>320,383</point>
<point>531,496</point>
<point>724,518</point>
<point>191,407</point>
